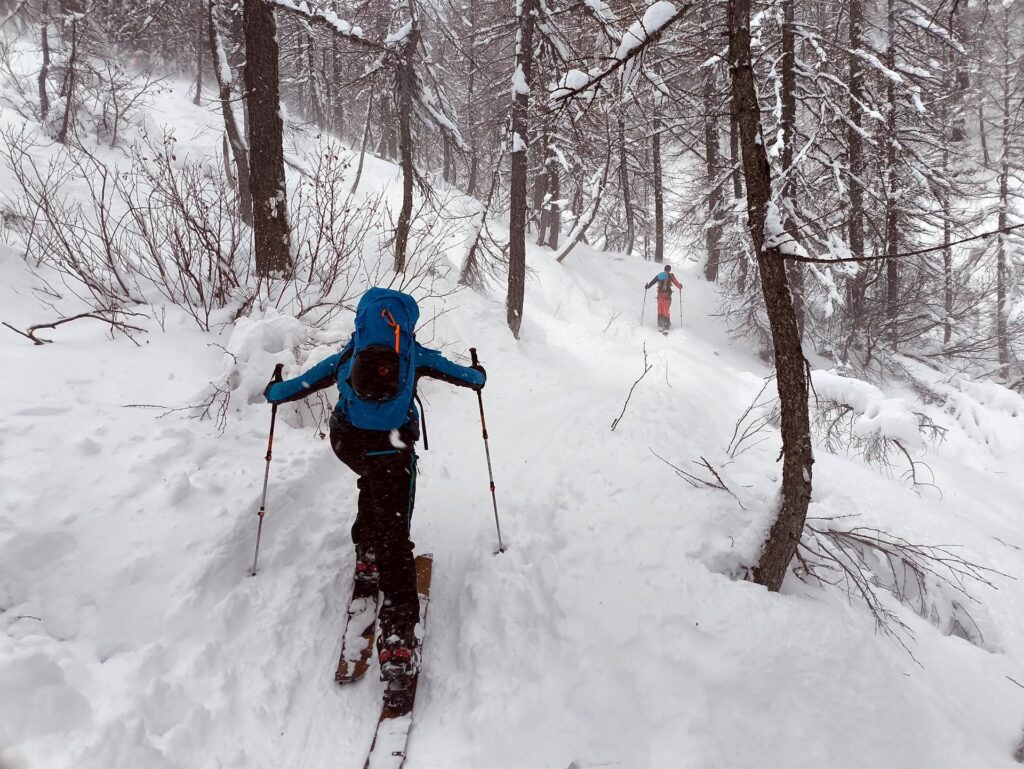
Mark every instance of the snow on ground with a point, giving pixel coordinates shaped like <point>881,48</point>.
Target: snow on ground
<point>608,635</point>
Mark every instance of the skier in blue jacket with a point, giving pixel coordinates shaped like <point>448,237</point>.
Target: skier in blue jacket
<point>373,430</point>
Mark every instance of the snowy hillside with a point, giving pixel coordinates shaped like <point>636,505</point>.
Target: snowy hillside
<point>616,631</point>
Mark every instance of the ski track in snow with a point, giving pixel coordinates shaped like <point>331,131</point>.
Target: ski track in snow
<point>607,635</point>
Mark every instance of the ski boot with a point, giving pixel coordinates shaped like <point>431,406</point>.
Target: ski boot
<point>364,584</point>
<point>398,648</point>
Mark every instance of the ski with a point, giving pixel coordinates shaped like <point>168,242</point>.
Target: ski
<point>392,734</point>
<point>357,640</point>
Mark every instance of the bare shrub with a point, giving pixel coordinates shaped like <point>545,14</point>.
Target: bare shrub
<point>164,228</point>
<point>868,563</point>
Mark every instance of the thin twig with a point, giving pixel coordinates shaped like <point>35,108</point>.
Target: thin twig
<point>647,368</point>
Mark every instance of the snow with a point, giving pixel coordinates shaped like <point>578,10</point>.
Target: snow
<point>519,85</point>
<point>572,83</point>
<point>328,17</point>
<point>877,415</point>
<point>613,631</point>
<point>518,144</point>
<point>775,234</point>
<point>600,10</point>
<point>655,17</point>
<point>399,34</point>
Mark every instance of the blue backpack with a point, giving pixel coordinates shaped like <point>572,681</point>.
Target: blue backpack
<point>382,372</point>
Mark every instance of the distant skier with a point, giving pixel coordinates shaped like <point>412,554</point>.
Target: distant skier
<point>665,280</point>
<point>374,429</point>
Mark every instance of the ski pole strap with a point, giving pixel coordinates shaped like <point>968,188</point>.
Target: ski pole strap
<point>423,420</point>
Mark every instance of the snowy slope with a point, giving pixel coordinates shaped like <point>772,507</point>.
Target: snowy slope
<point>610,634</point>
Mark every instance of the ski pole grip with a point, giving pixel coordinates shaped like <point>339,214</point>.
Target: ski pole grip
<point>472,355</point>
<point>277,373</point>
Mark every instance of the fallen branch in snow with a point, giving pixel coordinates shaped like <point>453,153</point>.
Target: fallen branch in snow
<point>647,368</point>
<point>611,319</point>
<point>119,325</point>
<point>214,407</point>
<point>932,580</point>
<point>696,481</point>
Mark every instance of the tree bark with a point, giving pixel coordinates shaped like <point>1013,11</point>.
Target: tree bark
<point>239,150</point>
<point>316,104</point>
<point>527,20</point>
<point>554,208</point>
<point>404,77</point>
<point>627,203</point>
<point>44,70</point>
<point>656,183</point>
<point>892,218</point>
<point>200,47</point>
<point>712,232</point>
<point>69,85</point>
<point>737,188</point>
<point>271,235</point>
<point>856,285</point>
<point>1002,306</point>
<point>471,182</point>
<point>798,458</point>
<point>794,270</point>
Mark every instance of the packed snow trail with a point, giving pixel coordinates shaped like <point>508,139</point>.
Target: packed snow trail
<point>609,634</point>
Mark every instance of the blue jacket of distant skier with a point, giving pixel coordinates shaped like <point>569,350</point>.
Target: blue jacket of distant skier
<point>400,315</point>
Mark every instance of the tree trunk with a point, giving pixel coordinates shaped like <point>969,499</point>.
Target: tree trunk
<point>239,151</point>
<point>947,268</point>
<point>892,219</point>
<point>789,360</point>
<point>471,182</point>
<point>404,78</point>
<point>448,172</point>
<point>737,188</point>
<point>271,236</point>
<point>1002,307</point>
<point>659,204</point>
<point>316,102</point>
<point>982,136</point>
<point>44,70</point>
<point>527,19</point>
<point>627,203</point>
<point>554,208</point>
<point>787,122</point>
<point>69,85</point>
<point>712,232</point>
<point>200,47</point>
<point>856,285</point>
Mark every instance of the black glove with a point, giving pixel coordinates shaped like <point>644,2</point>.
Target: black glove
<point>482,370</point>
<point>273,380</point>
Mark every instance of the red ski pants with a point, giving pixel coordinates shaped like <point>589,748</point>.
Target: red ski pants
<point>665,305</point>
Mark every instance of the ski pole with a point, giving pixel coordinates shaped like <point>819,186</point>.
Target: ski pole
<point>643,308</point>
<point>266,473</point>
<point>487,451</point>
<point>680,308</point>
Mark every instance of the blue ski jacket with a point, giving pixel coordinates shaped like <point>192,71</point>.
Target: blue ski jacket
<point>350,408</point>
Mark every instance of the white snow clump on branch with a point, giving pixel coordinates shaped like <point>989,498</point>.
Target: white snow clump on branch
<point>877,415</point>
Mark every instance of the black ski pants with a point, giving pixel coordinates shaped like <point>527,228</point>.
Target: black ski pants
<point>387,491</point>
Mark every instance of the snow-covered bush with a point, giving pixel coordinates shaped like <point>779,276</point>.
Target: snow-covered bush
<point>851,415</point>
<point>871,565</point>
